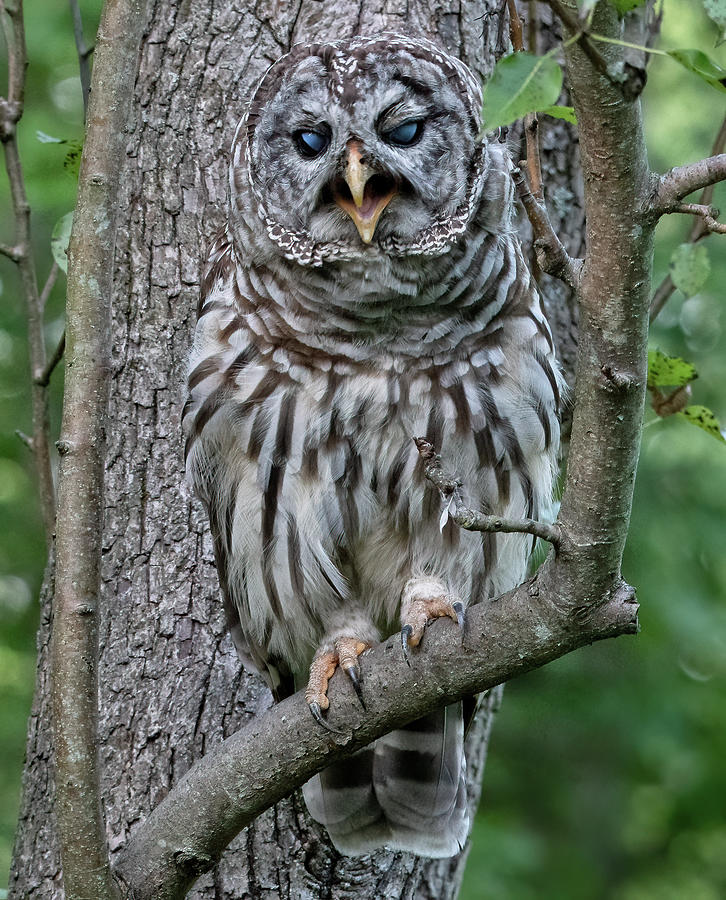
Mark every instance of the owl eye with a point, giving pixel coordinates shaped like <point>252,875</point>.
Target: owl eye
<point>311,143</point>
<point>404,135</point>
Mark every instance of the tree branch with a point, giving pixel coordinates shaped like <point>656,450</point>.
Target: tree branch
<point>241,777</point>
<point>671,188</point>
<point>614,292</point>
<point>49,284</point>
<point>11,110</point>
<point>552,257</point>
<point>44,378</point>
<point>74,649</point>
<point>708,214</point>
<point>666,287</point>
<point>450,489</point>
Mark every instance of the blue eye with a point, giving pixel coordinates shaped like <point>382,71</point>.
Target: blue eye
<point>406,134</point>
<point>311,143</point>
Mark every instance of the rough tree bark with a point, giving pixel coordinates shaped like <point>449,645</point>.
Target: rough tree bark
<point>170,683</point>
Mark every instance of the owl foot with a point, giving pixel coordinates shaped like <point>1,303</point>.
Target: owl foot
<point>345,654</point>
<point>418,610</point>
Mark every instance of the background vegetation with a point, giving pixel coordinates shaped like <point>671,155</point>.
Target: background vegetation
<point>606,772</point>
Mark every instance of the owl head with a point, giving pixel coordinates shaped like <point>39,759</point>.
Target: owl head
<point>362,146</point>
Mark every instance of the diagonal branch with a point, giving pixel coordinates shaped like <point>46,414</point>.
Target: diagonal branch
<point>44,378</point>
<point>11,110</point>
<point>465,517</point>
<point>552,257</point>
<point>240,778</point>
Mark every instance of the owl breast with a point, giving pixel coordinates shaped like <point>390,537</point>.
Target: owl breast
<point>300,439</point>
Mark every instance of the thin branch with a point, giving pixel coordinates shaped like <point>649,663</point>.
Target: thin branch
<point>450,489</point>
<point>11,110</point>
<point>681,181</point>
<point>552,257</point>
<point>44,378</point>
<point>662,295</point>
<point>11,252</point>
<point>719,145</point>
<point>25,438</point>
<point>515,27</point>
<point>84,55</point>
<point>74,647</point>
<point>698,231</point>
<point>534,168</point>
<point>532,27</point>
<point>708,214</point>
<point>229,787</point>
<point>49,284</point>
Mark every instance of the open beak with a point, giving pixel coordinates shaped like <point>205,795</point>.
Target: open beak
<point>368,193</point>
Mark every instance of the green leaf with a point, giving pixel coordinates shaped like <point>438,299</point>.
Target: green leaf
<point>625,6</point>
<point>716,11</point>
<point>72,161</point>
<point>59,240</point>
<point>703,66</point>
<point>669,371</point>
<point>690,268</point>
<point>702,417</point>
<point>561,112</point>
<point>48,138</point>
<point>520,83</point>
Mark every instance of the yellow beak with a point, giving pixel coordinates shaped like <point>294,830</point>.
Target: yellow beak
<point>369,195</point>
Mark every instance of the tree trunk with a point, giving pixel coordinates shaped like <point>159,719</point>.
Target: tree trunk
<point>170,682</point>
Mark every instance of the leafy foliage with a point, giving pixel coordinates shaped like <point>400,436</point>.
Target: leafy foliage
<point>669,371</point>
<point>690,267</point>
<point>702,65</point>
<point>59,239</point>
<point>72,159</point>
<point>520,83</point>
<point>702,417</point>
<point>567,113</point>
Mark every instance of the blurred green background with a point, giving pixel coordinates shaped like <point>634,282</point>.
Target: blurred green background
<point>607,769</point>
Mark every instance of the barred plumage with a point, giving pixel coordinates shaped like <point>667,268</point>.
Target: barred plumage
<point>319,353</point>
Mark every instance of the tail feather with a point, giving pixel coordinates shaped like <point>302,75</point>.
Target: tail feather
<point>341,797</point>
<point>407,791</point>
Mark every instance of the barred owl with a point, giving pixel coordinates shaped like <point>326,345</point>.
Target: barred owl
<point>369,287</point>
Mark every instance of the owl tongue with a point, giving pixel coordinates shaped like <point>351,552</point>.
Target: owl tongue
<point>364,194</point>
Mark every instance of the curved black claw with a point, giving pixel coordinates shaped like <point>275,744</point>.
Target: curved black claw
<point>458,608</point>
<point>353,673</point>
<point>406,633</point>
<point>317,712</point>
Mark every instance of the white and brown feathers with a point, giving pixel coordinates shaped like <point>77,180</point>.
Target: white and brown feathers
<point>318,357</point>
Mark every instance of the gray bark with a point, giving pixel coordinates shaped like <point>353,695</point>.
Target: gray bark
<point>171,686</point>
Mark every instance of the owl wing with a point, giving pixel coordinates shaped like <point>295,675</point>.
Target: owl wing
<point>214,362</point>
<point>253,655</point>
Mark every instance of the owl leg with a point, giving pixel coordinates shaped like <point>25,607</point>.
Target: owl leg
<point>344,654</point>
<point>424,599</point>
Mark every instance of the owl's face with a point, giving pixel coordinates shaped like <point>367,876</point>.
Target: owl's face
<point>364,143</point>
